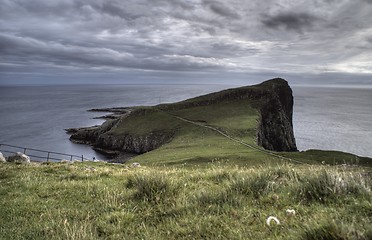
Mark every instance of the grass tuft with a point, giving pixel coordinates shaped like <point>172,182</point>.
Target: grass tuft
<point>152,188</point>
<point>329,186</point>
<point>329,231</point>
<point>318,188</point>
<point>255,185</point>
<point>216,197</point>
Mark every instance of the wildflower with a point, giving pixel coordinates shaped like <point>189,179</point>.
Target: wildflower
<point>290,212</point>
<point>271,218</point>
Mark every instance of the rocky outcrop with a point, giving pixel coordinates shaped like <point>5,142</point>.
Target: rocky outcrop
<point>275,127</point>
<point>2,158</point>
<point>103,140</point>
<point>19,158</point>
<point>132,143</point>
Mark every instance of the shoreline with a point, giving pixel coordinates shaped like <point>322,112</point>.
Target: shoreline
<point>113,156</point>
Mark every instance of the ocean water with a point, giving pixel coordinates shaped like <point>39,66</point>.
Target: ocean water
<point>333,118</point>
<point>36,116</point>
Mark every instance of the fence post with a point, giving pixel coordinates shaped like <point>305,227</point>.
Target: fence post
<point>71,158</point>
<point>82,158</point>
<point>48,157</point>
<point>24,151</point>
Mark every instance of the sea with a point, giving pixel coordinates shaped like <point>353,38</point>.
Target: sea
<point>328,118</point>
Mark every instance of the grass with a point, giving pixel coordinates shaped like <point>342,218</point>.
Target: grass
<point>216,201</point>
<point>146,120</point>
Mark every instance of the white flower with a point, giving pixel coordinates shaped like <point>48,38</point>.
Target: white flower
<point>271,218</point>
<point>290,212</point>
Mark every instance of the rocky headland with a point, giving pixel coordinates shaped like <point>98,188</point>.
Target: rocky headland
<point>143,129</point>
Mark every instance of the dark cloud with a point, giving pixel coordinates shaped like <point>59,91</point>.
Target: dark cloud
<point>221,9</point>
<point>289,21</point>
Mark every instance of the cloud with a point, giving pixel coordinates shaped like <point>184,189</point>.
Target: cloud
<point>13,48</point>
<point>186,36</point>
<point>221,9</point>
<point>290,21</point>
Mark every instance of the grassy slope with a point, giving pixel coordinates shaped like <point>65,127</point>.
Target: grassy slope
<point>195,144</point>
<point>102,201</point>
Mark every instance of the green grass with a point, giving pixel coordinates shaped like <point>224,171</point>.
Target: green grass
<point>330,157</point>
<point>216,201</point>
<point>146,120</point>
<point>197,145</point>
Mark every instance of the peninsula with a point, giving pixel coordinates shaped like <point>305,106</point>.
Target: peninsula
<point>244,125</point>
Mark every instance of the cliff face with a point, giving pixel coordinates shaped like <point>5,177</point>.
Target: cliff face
<point>275,128</point>
<point>133,144</point>
<point>139,130</point>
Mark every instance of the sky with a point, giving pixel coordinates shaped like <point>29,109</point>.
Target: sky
<point>185,41</point>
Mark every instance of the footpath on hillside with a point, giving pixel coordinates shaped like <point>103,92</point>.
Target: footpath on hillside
<point>235,139</point>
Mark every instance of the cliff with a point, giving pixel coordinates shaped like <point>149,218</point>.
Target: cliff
<point>275,128</point>
<point>143,129</point>
<point>111,139</point>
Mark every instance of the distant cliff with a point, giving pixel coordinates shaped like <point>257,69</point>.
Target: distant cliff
<point>142,129</point>
<point>275,128</point>
<point>104,139</point>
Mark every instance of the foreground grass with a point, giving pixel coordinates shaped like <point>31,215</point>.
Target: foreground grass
<point>102,201</point>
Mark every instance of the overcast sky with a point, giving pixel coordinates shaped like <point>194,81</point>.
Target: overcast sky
<point>77,41</point>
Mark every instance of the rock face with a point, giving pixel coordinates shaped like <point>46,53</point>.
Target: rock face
<point>133,144</point>
<point>19,158</point>
<point>273,99</point>
<point>275,128</point>
<point>2,158</point>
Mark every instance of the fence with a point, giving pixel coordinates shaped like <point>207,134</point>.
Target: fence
<point>39,155</point>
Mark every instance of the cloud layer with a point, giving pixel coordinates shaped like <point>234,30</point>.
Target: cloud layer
<point>293,37</point>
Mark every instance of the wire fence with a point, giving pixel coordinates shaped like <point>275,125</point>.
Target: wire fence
<point>39,155</point>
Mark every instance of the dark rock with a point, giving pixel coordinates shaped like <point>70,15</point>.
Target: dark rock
<point>133,144</point>
<point>275,128</point>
